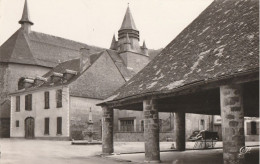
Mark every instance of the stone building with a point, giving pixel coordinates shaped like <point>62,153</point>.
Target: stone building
<point>29,54</point>
<point>79,83</point>
<point>76,84</point>
<point>211,67</point>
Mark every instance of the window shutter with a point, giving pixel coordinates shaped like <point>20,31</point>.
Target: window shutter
<point>47,99</point>
<point>59,98</point>
<point>253,128</point>
<point>26,102</point>
<point>46,125</point>
<point>257,128</point>
<point>248,128</point>
<point>17,103</point>
<point>30,101</point>
<point>59,125</point>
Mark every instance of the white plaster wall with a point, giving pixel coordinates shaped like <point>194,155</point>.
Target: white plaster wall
<point>39,114</point>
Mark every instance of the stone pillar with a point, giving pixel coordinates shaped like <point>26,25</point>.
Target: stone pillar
<point>107,130</point>
<point>180,131</point>
<point>151,131</point>
<point>232,115</point>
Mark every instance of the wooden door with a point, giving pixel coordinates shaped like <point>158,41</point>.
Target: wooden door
<point>29,127</point>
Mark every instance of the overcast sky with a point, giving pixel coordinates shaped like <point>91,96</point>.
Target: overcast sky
<point>95,21</point>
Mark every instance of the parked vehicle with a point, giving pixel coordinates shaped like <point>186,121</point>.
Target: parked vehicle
<point>203,135</point>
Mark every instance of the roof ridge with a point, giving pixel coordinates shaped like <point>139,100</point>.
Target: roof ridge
<point>116,66</point>
<point>29,46</point>
<point>59,37</point>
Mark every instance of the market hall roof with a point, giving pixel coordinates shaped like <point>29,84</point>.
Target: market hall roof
<point>220,43</point>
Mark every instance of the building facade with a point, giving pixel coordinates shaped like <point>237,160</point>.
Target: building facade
<point>34,114</point>
<point>28,53</point>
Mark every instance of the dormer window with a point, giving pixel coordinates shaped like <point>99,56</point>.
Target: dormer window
<point>56,77</point>
<point>68,74</point>
<point>39,80</point>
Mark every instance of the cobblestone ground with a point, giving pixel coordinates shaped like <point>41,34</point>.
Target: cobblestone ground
<point>21,151</point>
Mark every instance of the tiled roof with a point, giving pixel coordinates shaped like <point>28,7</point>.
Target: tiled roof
<point>222,41</point>
<point>40,49</point>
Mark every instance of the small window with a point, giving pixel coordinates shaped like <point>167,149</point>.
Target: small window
<point>17,104</point>
<point>127,125</point>
<point>17,123</point>
<point>59,98</point>
<point>47,100</point>
<point>253,128</point>
<point>46,126</point>
<point>59,125</point>
<point>28,102</point>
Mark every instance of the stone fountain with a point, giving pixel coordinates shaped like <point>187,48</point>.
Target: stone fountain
<point>88,133</point>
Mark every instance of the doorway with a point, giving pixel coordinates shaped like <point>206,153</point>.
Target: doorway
<point>29,128</point>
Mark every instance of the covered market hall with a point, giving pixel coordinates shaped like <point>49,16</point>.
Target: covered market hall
<point>211,67</point>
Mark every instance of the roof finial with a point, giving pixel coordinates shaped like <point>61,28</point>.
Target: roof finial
<point>113,45</point>
<point>26,16</point>
<point>144,45</point>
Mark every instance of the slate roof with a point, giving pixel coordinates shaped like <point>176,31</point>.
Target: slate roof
<point>222,41</point>
<point>40,49</point>
<point>128,22</point>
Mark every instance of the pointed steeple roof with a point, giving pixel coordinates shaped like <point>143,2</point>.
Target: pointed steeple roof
<point>113,43</point>
<point>144,45</point>
<point>128,22</point>
<point>26,16</point>
<point>127,39</point>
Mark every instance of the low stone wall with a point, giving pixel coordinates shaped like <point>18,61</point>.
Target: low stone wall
<point>139,136</point>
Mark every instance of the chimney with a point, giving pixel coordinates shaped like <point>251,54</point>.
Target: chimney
<point>68,74</point>
<point>55,77</point>
<point>84,58</point>
<point>39,80</point>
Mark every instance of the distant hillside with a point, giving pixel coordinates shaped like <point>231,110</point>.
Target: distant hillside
<point>153,53</point>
